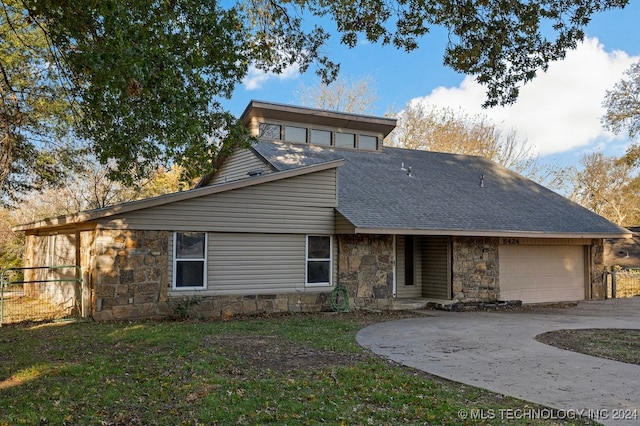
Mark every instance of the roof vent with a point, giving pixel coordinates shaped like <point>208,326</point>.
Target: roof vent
<point>253,173</point>
<point>406,169</point>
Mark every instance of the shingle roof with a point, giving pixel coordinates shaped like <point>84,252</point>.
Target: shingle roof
<point>623,252</point>
<point>443,194</point>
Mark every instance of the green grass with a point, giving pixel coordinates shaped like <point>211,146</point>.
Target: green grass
<point>291,369</point>
<point>617,344</point>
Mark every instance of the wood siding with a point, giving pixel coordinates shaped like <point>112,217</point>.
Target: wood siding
<point>436,267</point>
<point>238,165</point>
<point>301,204</point>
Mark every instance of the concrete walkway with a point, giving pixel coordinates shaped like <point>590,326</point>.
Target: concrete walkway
<point>498,351</point>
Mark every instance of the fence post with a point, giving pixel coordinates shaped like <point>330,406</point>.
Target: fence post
<point>1,298</point>
<point>613,282</point>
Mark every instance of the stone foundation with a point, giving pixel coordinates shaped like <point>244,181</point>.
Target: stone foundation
<point>475,276</point>
<point>226,307</point>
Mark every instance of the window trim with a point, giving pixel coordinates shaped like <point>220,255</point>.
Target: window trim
<point>307,259</point>
<point>261,134</point>
<point>312,141</point>
<point>376,139</point>
<point>286,138</point>
<point>176,260</point>
<point>353,138</point>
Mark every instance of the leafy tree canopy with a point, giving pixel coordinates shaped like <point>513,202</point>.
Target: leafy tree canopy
<point>142,80</point>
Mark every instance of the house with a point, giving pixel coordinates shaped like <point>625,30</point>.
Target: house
<point>319,202</point>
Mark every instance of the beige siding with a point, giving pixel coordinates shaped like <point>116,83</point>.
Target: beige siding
<point>302,204</point>
<point>238,165</point>
<point>343,226</point>
<point>243,263</point>
<point>546,241</point>
<point>256,263</point>
<point>542,274</point>
<point>436,267</point>
<point>403,290</point>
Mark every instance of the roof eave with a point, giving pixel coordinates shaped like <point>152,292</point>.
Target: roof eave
<point>383,125</point>
<point>489,233</point>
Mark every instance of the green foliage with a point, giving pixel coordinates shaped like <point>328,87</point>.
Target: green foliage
<point>182,307</point>
<point>11,243</point>
<point>142,80</point>
<point>147,75</point>
<point>34,105</point>
<point>503,44</point>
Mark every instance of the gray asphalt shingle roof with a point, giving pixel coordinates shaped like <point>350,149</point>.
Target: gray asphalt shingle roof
<point>443,193</point>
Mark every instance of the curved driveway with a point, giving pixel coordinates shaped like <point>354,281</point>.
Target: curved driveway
<point>498,351</point>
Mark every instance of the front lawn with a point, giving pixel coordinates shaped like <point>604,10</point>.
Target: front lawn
<point>611,343</point>
<point>289,369</point>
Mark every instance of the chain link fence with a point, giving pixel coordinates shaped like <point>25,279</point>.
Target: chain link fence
<point>623,282</point>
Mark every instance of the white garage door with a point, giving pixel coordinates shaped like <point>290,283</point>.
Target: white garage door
<point>538,274</point>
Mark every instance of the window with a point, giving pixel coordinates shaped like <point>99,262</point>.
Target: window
<point>368,142</point>
<point>409,260</point>
<point>189,260</point>
<point>320,137</point>
<point>270,131</point>
<point>318,260</point>
<point>295,134</point>
<point>346,140</point>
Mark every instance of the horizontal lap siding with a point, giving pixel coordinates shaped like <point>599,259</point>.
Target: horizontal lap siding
<point>302,204</point>
<point>238,165</point>
<point>343,226</point>
<point>403,290</point>
<point>256,263</point>
<point>436,267</point>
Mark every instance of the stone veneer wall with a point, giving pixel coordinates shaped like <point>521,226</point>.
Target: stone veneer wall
<point>365,268</point>
<point>130,281</point>
<point>597,269</point>
<point>130,274</point>
<point>475,269</point>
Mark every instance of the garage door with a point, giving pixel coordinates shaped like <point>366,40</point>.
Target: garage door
<point>538,274</point>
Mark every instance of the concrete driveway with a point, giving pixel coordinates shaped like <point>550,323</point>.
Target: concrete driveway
<point>498,351</point>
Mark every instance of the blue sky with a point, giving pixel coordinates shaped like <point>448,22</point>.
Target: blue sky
<point>558,114</point>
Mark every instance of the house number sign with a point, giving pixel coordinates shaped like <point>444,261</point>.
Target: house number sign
<point>511,241</point>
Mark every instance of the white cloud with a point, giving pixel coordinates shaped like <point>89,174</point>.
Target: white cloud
<point>256,78</point>
<point>559,110</point>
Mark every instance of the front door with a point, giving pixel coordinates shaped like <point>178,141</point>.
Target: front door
<point>435,256</point>
<point>424,267</point>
